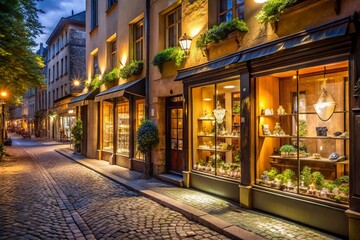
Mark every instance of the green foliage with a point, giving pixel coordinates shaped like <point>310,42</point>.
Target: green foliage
<point>132,69</point>
<point>306,175</point>
<point>272,173</point>
<point>318,180</point>
<point>280,177</point>
<point>341,180</point>
<point>77,131</point>
<point>221,32</point>
<point>202,163</point>
<point>20,67</point>
<point>289,175</point>
<point>147,136</point>
<point>273,9</point>
<point>97,81</point>
<point>302,128</point>
<point>329,185</point>
<point>344,189</point>
<point>2,150</point>
<point>173,54</point>
<point>113,75</point>
<point>287,148</point>
<point>237,156</point>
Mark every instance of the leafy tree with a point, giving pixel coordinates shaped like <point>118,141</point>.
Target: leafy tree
<point>20,67</point>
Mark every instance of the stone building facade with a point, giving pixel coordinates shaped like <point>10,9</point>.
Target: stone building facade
<point>65,66</point>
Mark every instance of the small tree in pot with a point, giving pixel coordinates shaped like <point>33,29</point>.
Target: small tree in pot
<point>77,132</point>
<point>147,137</point>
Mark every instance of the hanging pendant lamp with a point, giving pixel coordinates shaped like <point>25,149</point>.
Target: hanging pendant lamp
<point>325,106</point>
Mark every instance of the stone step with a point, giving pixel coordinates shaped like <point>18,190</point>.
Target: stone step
<point>172,178</point>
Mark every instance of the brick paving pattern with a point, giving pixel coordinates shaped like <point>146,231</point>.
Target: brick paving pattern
<point>47,196</point>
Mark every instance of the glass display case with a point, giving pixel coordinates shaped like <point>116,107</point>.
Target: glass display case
<point>108,127</point>
<point>123,134</point>
<point>216,129</point>
<point>303,132</point>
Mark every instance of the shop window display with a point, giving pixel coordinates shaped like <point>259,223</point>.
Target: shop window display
<point>108,130</point>
<point>216,129</point>
<point>303,133</point>
<point>123,143</point>
<point>140,116</point>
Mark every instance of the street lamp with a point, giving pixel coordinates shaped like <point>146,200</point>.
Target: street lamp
<point>3,95</point>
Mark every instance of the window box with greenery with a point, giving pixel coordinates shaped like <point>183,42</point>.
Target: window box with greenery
<point>218,33</point>
<point>113,75</point>
<point>173,54</point>
<point>132,69</point>
<point>273,9</point>
<point>77,132</point>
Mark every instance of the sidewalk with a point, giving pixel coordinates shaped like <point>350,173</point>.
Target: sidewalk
<point>216,213</point>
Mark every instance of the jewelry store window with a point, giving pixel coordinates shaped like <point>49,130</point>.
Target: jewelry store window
<point>216,129</point>
<point>303,132</point>
<point>108,119</point>
<point>123,127</point>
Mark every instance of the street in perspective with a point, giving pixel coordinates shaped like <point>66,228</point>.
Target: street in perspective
<point>49,193</point>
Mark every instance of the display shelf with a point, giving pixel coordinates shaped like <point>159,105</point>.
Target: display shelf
<point>322,160</point>
<point>276,116</point>
<point>316,113</point>
<point>213,150</point>
<point>306,137</point>
<point>276,136</point>
<point>206,119</point>
<point>213,136</point>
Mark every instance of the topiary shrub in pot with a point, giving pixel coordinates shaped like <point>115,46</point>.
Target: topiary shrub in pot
<point>147,137</point>
<point>77,132</point>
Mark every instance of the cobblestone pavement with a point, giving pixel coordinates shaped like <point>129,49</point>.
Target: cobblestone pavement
<point>264,225</point>
<point>47,196</point>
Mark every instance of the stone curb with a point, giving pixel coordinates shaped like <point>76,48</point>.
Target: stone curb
<point>210,221</point>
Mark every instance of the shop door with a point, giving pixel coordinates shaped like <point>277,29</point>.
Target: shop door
<point>174,135</point>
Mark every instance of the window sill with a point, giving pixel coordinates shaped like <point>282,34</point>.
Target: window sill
<point>111,8</point>
<point>305,5</point>
<point>95,29</point>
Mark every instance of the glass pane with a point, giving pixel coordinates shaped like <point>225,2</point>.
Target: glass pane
<point>180,113</point>
<point>140,115</point>
<point>180,123</point>
<point>225,5</point>
<point>240,12</point>
<point>173,133</point>
<point>172,41</point>
<point>123,144</point>
<point>108,125</point>
<point>174,144</point>
<point>173,113</point>
<point>226,17</point>
<point>171,19</point>
<point>173,123</point>
<point>292,133</point>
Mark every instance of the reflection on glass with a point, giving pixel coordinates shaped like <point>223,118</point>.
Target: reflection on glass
<point>108,130</point>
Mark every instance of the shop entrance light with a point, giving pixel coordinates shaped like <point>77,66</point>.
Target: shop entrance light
<point>325,106</point>
<point>185,42</point>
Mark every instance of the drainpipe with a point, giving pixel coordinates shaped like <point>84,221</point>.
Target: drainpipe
<point>148,164</point>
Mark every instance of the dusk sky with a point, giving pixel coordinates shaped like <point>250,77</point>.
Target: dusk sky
<point>54,11</point>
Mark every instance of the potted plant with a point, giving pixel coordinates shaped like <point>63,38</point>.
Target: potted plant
<point>287,149</point>
<point>147,137</point>
<point>77,132</point>
<point>273,9</point>
<point>113,75</point>
<point>132,69</point>
<point>318,180</point>
<point>173,54</point>
<point>221,32</point>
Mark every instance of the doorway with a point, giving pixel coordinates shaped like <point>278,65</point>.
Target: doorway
<point>174,135</point>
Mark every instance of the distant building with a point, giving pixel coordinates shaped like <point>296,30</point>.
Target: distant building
<point>66,63</point>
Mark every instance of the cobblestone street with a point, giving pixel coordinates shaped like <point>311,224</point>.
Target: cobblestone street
<point>44,195</point>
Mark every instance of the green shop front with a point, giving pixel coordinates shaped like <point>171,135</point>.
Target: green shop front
<point>274,127</point>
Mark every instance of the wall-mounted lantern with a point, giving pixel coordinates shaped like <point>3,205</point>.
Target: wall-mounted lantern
<point>185,42</point>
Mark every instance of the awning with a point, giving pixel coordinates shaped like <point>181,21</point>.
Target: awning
<point>136,88</point>
<point>81,99</point>
<point>322,32</point>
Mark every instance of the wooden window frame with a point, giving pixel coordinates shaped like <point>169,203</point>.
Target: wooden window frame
<point>176,25</point>
<point>139,24</point>
<point>233,9</point>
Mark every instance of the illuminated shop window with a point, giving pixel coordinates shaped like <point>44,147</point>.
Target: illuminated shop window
<point>108,129</point>
<point>216,129</point>
<point>140,115</point>
<point>123,141</point>
<point>298,149</point>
